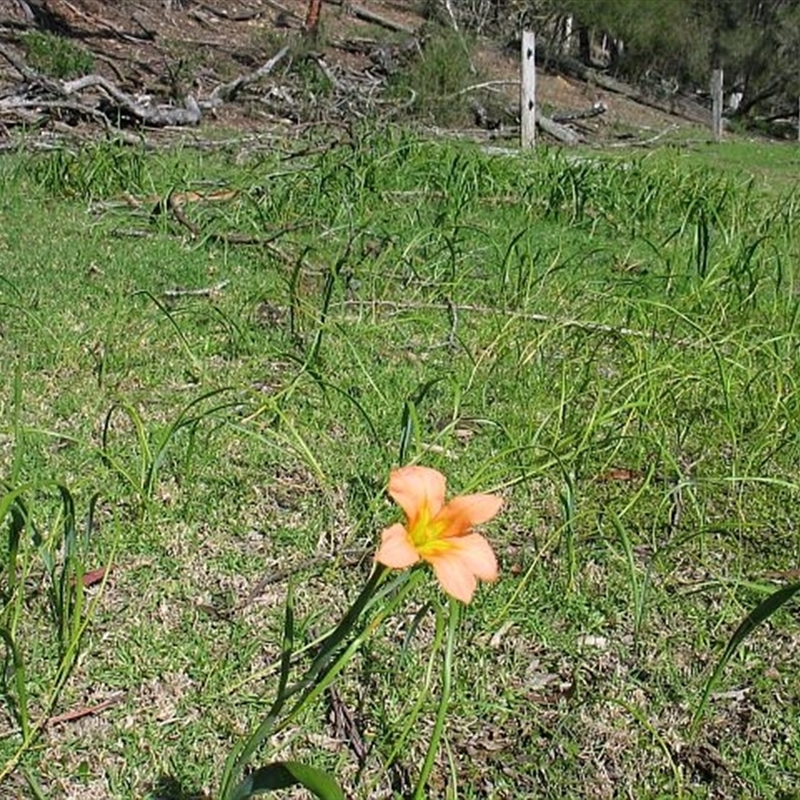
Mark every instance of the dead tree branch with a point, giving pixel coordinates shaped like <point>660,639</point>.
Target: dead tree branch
<point>157,117</point>
<point>228,91</point>
<point>65,94</point>
<point>377,19</point>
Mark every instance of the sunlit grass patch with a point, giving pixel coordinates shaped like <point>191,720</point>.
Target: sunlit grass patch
<point>234,350</point>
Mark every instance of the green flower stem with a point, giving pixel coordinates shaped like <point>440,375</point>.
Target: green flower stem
<point>323,669</point>
<point>340,632</point>
<point>441,713</point>
<point>412,716</point>
<point>315,688</point>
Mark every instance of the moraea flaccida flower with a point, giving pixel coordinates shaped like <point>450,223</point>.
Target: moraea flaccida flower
<point>439,533</point>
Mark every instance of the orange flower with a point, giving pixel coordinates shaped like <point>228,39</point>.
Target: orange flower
<point>439,534</point>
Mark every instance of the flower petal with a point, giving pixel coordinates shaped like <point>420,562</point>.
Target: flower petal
<point>455,578</point>
<point>396,550</point>
<point>459,564</point>
<point>414,488</point>
<point>461,513</point>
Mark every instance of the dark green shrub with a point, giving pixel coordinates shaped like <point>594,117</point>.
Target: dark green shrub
<point>437,75</point>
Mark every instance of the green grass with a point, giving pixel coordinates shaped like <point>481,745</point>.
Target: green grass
<point>608,342</point>
<point>56,56</point>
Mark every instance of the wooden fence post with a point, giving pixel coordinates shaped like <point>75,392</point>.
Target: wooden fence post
<point>716,105</point>
<point>528,90</point>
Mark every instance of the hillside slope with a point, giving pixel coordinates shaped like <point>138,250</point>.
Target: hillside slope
<point>160,53</point>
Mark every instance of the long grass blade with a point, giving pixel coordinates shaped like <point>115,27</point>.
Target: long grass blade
<point>761,613</point>
<point>284,775</point>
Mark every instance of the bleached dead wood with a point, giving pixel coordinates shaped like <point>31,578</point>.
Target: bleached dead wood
<point>560,132</point>
<point>68,95</point>
<point>157,117</point>
<point>228,91</point>
<point>24,109</point>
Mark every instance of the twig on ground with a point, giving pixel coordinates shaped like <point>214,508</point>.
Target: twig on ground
<point>600,327</point>
<point>80,713</point>
<point>345,727</point>
<point>207,291</point>
<point>174,203</point>
<point>651,140</point>
<point>475,87</point>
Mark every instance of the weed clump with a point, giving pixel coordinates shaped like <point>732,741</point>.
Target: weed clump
<point>56,56</point>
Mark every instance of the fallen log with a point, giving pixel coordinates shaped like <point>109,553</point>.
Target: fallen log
<point>560,132</point>
<point>377,19</point>
<point>677,104</point>
<point>573,116</point>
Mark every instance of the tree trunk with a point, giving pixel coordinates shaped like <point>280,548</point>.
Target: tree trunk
<point>585,45</point>
<point>749,101</point>
<point>312,17</point>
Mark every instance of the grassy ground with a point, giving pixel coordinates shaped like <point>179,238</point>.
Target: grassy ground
<point>609,343</point>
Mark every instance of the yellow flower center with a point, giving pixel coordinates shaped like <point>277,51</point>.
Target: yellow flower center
<point>425,531</point>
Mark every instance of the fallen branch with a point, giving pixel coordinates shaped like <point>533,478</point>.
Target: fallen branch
<point>65,92</point>
<point>157,117</point>
<point>208,291</point>
<point>228,91</point>
<point>15,104</point>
